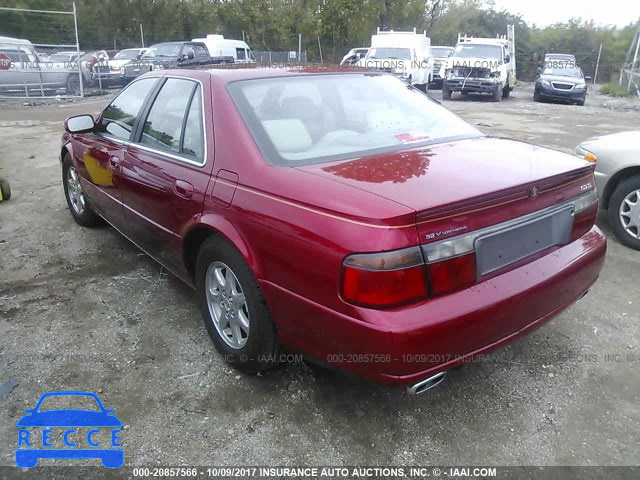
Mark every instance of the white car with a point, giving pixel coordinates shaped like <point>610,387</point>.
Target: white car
<point>617,159</point>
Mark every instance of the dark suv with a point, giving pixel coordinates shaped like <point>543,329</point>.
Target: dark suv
<point>168,55</point>
<point>566,84</point>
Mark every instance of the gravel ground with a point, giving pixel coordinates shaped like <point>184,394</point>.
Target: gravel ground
<point>83,309</point>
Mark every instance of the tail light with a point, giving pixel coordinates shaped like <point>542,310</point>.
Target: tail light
<point>585,214</point>
<point>452,274</point>
<point>388,279</point>
<point>384,279</point>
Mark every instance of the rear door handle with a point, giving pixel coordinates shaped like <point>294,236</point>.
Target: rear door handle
<point>183,189</point>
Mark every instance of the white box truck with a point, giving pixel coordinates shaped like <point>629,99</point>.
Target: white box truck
<point>405,54</point>
<point>481,65</point>
<point>221,48</point>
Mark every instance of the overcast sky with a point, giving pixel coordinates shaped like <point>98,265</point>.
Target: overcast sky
<point>547,12</point>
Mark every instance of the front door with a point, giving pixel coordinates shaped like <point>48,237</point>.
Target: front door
<point>99,156</point>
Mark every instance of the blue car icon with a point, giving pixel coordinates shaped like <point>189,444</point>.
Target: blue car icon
<point>71,418</point>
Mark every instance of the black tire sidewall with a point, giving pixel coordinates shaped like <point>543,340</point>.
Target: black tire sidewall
<point>621,191</point>
<point>261,349</point>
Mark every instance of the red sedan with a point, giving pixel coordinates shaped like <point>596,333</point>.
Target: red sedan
<point>340,214</point>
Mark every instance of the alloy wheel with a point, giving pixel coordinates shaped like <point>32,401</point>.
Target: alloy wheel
<point>74,192</point>
<point>227,305</point>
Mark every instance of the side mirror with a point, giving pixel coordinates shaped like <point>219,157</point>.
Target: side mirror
<point>507,59</point>
<point>80,124</point>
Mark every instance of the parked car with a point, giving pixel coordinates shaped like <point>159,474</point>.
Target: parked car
<point>563,84</point>
<point>355,54</point>
<point>617,159</point>
<point>27,76</point>
<point>343,216</point>
<point>111,71</point>
<point>166,56</point>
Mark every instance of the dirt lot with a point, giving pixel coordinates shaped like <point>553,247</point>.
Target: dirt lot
<point>82,309</point>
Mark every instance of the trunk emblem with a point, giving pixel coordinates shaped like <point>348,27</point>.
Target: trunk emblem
<point>534,193</point>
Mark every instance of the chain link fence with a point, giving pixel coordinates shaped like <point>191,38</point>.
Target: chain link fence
<point>280,58</point>
<point>53,67</point>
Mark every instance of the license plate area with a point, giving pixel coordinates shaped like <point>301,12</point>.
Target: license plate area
<point>502,248</point>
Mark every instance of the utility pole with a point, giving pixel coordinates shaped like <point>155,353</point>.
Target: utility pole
<point>595,75</point>
<point>142,35</point>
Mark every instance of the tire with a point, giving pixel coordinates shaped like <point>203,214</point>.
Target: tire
<point>251,349</point>
<point>581,102</point>
<point>497,95</point>
<point>626,193</point>
<point>77,202</point>
<point>536,96</point>
<point>506,91</point>
<point>446,93</point>
<point>73,84</point>
<point>5,189</point>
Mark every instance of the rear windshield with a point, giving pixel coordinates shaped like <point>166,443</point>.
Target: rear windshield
<point>300,120</point>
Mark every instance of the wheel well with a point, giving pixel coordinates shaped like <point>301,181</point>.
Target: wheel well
<point>63,152</point>
<point>614,181</point>
<point>191,245</point>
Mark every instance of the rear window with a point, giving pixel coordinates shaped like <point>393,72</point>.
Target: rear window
<point>299,120</point>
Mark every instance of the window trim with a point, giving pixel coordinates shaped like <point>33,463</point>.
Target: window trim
<point>145,111</point>
<point>139,125</point>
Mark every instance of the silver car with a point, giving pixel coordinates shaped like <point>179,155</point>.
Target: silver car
<point>617,159</point>
<point>24,75</point>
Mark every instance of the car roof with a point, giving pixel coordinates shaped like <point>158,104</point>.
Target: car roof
<point>231,73</point>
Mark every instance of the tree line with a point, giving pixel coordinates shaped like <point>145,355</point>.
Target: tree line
<point>333,25</point>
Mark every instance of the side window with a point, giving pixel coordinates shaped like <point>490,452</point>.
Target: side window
<point>193,143</point>
<point>118,118</point>
<point>250,55</point>
<point>240,53</point>
<point>188,52</point>
<point>202,53</point>
<point>163,126</point>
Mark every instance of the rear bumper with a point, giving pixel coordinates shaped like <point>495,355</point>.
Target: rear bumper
<point>471,85</point>
<point>404,345</point>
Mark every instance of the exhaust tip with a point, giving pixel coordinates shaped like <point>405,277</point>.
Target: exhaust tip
<point>427,384</point>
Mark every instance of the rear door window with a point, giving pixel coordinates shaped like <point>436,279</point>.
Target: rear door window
<point>174,123</point>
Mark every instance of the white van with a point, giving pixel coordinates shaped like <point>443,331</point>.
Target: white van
<point>220,47</point>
